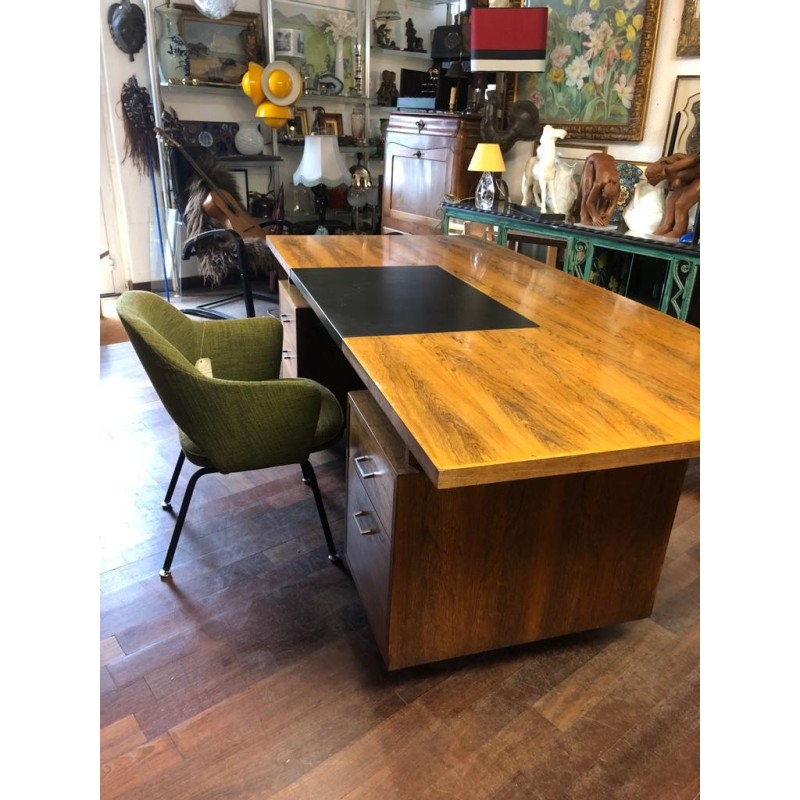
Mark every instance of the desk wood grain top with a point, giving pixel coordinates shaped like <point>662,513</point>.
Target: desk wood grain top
<point>603,382</point>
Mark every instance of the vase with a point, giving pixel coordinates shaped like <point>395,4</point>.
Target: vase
<point>173,55</point>
<point>248,139</point>
<point>357,124</point>
<point>339,63</point>
<point>358,70</point>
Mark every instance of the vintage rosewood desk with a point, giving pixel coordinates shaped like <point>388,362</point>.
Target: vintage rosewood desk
<point>516,457</point>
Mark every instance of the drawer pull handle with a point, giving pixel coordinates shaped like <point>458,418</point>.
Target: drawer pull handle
<point>363,531</point>
<point>285,318</point>
<point>361,471</point>
<point>420,124</point>
<point>418,154</point>
<point>287,354</point>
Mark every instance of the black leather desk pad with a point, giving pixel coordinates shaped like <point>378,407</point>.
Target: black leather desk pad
<point>382,301</point>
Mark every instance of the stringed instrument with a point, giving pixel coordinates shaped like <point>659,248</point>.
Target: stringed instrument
<point>220,204</point>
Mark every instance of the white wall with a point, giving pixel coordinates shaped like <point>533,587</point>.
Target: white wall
<point>133,241</point>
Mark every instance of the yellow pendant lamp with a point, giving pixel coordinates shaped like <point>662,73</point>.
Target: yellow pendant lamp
<point>281,83</point>
<point>251,83</point>
<point>274,116</point>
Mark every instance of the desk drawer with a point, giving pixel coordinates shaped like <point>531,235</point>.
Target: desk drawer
<point>368,555</point>
<point>376,456</point>
<point>289,300</point>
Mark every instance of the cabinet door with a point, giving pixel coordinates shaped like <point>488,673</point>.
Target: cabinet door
<point>417,180</point>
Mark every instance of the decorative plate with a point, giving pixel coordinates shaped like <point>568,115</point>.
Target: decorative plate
<point>330,84</point>
<point>216,136</point>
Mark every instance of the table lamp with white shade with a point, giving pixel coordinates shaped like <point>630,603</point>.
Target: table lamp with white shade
<point>321,166</point>
<point>487,159</point>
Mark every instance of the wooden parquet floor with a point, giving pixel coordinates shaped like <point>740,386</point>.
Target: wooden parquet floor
<point>253,674</point>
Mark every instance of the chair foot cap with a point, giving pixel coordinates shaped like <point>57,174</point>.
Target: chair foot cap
<point>166,506</point>
<point>335,559</point>
<point>164,574</point>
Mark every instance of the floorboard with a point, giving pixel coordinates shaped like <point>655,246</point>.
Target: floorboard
<point>253,673</point>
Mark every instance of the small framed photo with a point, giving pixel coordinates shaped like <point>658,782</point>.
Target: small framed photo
<point>298,125</point>
<point>334,124</point>
<point>683,129</point>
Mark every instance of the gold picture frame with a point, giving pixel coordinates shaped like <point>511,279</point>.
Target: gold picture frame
<point>219,52</point>
<point>334,124</point>
<point>298,125</point>
<point>608,93</point>
<point>689,36</point>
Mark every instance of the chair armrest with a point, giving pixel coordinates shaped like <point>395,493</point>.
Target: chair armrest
<point>218,236</point>
<point>278,226</point>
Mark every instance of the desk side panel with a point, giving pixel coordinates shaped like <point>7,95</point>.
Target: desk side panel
<point>484,567</point>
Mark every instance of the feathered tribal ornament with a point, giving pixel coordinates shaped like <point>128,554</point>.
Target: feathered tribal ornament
<point>140,135</point>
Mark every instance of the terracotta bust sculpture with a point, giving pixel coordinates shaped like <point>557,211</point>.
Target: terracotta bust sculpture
<point>599,189</point>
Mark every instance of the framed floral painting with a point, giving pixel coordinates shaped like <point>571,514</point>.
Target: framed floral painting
<point>600,57</point>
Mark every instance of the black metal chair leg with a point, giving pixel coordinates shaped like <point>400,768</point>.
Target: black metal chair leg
<point>247,293</point>
<point>166,503</point>
<point>310,478</point>
<point>176,533</point>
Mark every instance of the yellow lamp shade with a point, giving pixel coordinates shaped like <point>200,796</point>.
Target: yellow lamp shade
<point>251,83</point>
<point>281,83</point>
<point>274,116</point>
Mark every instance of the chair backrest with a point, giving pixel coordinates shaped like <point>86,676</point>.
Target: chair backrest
<point>158,331</point>
<point>243,418</point>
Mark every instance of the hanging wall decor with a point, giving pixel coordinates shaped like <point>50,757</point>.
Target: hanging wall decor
<point>600,56</point>
<point>139,122</point>
<point>127,26</point>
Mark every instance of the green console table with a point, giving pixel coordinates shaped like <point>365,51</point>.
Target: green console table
<point>683,260</point>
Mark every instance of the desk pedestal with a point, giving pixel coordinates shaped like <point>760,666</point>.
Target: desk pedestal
<point>445,573</point>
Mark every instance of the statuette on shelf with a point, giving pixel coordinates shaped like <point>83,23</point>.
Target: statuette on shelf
<point>387,91</point>
<point>413,42</point>
<point>383,36</point>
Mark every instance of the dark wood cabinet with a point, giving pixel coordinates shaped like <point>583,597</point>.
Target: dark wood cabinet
<point>426,157</point>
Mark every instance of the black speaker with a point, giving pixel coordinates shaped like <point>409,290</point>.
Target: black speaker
<point>448,42</point>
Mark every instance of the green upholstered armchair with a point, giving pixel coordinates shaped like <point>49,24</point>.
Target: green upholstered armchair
<point>244,417</point>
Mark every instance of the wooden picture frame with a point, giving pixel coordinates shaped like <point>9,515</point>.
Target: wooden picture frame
<point>577,151</point>
<point>334,124</point>
<point>689,36</point>
<point>683,129</point>
<point>218,50</point>
<point>604,98</point>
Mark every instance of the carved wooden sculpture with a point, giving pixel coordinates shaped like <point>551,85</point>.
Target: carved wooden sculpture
<point>682,174</point>
<point>599,189</point>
